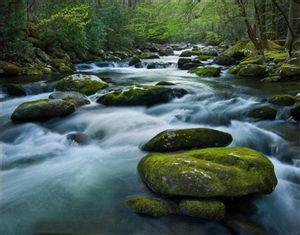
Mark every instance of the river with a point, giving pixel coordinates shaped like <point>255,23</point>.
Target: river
<point>51,186</point>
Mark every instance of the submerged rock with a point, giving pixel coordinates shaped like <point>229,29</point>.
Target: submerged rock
<point>184,139</point>
<point>85,84</point>
<point>286,100</point>
<point>295,112</point>
<point>151,206</point>
<point>211,172</point>
<point>14,90</point>
<point>263,113</point>
<point>204,209</point>
<point>79,138</point>
<point>73,97</point>
<point>42,110</point>
<point>207,71</point>
<point>141,95</point>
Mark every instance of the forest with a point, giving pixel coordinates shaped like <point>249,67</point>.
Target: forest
<point>167,117</point>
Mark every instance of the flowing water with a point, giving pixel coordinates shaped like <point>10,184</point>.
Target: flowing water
<point>51,186</point>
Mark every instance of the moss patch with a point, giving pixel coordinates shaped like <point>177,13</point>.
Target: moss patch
<point>207,71</point>
<point>282,100</point>
<point>263,113</point>
<point>211,172</point>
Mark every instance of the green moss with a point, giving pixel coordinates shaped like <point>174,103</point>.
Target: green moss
<point>235,69</point>
<point>204,57</point>
<point>211,172</point>
<point>274,78</point>
<point>290,70</point>
<point>252,60</point>
<point>241,47</point>
<point>205,209</point>
<point>150,206</point>
<point>277,55</point>
<point>85,85</point>
<point>263,113</point>
<point>184,139</point>
<point>252,70</point>
<point>7,68</point>
<point>34,102</point>
<point>207,71</point>
<point>282,100</point>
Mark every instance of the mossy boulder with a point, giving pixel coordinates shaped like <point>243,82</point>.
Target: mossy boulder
<point>274,78</point>
<point>134,60</point>
<point>141,95</point>
<point>295,112</point>
<point>14,90</point>
<point>211,172</point>
<point>42,55</point>
<point>184,139</point>
<point>285,100</point>
<point>290,71</point>
<point>182,61</point>
<point>204,57</point>
<point>73,97</point>
<point>252,60</point>
<point>263,113</point>
<point>239,50</point>
<point>204,209</point>
<point>85,84</point>
<point>42,110</point>
<point>150,206</point>
<point>224,60</point>
<point>207,71</point>
<point>186,54</point>
<point>252,70</point>
<point>276,56</point>
<point>165,83</point>
<point>9,69</point>
<point>234,69</point>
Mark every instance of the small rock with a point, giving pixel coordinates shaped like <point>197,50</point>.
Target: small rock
<point>263,113</point>
<point>165,83</point>
<point>79,138</point>
<point>285,100</point>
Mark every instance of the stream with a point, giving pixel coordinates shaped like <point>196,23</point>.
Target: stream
<point>50,185</point>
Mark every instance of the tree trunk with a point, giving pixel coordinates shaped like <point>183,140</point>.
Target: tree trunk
<point>293,37</point>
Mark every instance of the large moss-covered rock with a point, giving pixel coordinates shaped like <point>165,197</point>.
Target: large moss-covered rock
<point>263,113</point>
<point>211,172</point>
<point>141,95</point>
<point>75,98</point>
<point>42,110</point>
<point>290,71</point>
<point>207,71</point>
<point>295,112</point>
<point>252,60</point>
<point>239,50</point>
<point>252,70</point>
<point>7,68</point>
<point>284,100</point>
<point>151,206</point>
<point>184,139</point>
<point>204,209</point>
<point>85,84</point>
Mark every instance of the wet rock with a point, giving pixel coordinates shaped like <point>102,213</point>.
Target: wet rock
<point>9,69</point>
<point>79,138</point>
<point>149,55</point>
<point>42,110</point>
<point>184,139</point>
<point>207,71</point>
<point>270,79</point>
<point>85,84</point>
<point>134,60</point>
<point>186,54</point>
<point>211,172</point>
<point>14,90</point>
<point>295,112</point>
<point>252,70</point>
<point>263,113</point>
<point>156,65</point>
<point>150,206</point>
<point>166,51</point>
<point>140,95</point>
<point>285,100</point>
<point>252,60</point>
<point>224,60</point>
<point>165,83</point>
<point>138,65</point>
<point>191,65</point>
<point>291,71</point>
<point>73,97</point>
<point>182,61</point>
<point>204,209</point>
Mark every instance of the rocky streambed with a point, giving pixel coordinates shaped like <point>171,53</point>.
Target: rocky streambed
<point>174,137</point>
